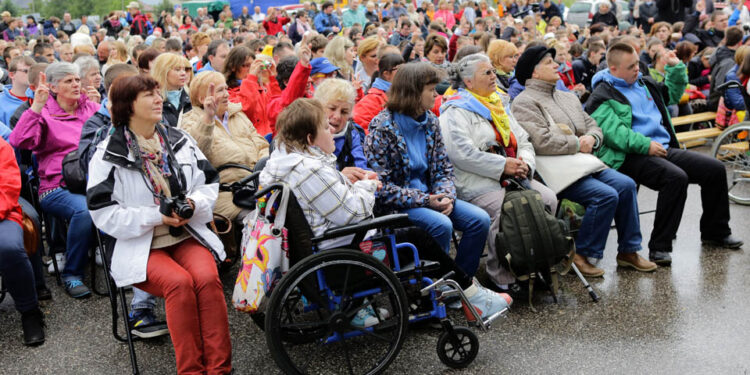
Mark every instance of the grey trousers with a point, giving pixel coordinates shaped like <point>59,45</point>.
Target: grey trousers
<point>492,203</point>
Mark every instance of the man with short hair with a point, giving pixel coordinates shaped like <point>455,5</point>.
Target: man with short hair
<point>585,67</point>
<point>354,13</point>
<point>550,9</point>
<point>15,94</point>
<point>33,75</point>
<point>258,16</point>
<point>66,52</point>
<point>397,10</point>
<point>640,141</point>
<point>714,32</point>
<point>217,55</point>
<point>721,62</point>
<point>45,51</point>
<point>282,50</point>
<point>404,33</point>
<point>245,15</point>
<point>325,22</point>
<point>67,26</point>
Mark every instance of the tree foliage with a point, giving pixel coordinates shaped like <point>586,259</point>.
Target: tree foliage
<point>7,5</point>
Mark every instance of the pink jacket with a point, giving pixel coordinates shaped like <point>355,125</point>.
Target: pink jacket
<point>51,134</point>
<point>448,18</point>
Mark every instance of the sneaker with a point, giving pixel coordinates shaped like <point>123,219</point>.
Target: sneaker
<point>76,289</point>
<point>366,318</point>
<point>662,258</point>
<point>485,301</point>
<point>728,242</point>
<point>60,263</point>
<point>453,303</point>
<point>33,327</point>
<point>143,324</point>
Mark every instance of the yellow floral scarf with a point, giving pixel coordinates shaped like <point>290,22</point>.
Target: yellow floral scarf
<point>499,117</point>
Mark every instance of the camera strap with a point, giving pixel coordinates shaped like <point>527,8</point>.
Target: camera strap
<point>176,179</point>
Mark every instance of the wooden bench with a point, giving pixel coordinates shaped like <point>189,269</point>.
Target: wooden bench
<point>694,118</point>
<point>697,137</point>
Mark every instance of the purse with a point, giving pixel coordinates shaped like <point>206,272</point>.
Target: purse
<point>73,175</point>
<point>265,253</point>
<point>561,171</point>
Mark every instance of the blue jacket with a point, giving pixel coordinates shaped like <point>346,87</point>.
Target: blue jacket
<point>206,68</point>
<point>733,95</point>
<point>49,29</point>
<point>354,153</point>
<point>325,22</point>
<point>8,105</point>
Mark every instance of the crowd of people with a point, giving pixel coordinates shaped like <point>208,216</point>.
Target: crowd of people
<point>422,108</point>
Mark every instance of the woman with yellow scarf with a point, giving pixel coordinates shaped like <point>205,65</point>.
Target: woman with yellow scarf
<point>486,146</point>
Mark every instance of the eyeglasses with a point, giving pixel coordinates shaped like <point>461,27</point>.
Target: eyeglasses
<point>490,72</point>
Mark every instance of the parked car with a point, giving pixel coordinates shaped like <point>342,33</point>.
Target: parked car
<point>581,12</point>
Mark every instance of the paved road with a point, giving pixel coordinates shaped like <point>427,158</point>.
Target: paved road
<point>691,318</point>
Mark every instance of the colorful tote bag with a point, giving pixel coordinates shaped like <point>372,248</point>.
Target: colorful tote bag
<point>265,253</point>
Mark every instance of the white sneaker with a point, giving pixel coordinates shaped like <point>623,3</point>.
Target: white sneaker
<point>60,263</point>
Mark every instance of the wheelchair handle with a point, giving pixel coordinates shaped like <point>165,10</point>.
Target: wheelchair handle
<point>727,85</point>
<point>268,189</point>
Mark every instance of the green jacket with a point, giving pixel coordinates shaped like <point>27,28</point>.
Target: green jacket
<point>613,113</point>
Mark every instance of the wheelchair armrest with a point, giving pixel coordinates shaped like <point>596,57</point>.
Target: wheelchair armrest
<point>393,221</point>
<point>233,165</point>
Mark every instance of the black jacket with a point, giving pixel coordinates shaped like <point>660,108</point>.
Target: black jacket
<point>583,71</point>
<point>722,61</point>
<point>709,38</point>
<point>644,13</point>
<point>95,130</point>
<point>695,67</point>
<point>170,114</point>
<point>673,10</point>
<point>608,19</point>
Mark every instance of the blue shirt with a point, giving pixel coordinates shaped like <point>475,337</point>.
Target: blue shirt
<point>416,147</point>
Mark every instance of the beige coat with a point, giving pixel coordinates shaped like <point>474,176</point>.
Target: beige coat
<point>241,145</point>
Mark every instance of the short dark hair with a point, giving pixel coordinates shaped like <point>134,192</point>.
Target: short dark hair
<point>617,50</point>
<point>317,43</point>
<point>433,41</point>
<point>284,70</point>
<point>40,47</point>
<point>118,70</point>
<point>137,50</point>
<point>254,45</point>
<point>145,58</point>
<point>236,58</point>
<point>122,94</point>
<point>267,39</point>
<point>213,46</point>
<point>733,36</point>
<point>282,46</point>
<point>299,120</point>
<point>326,5</point>
<point>405,94</point>
<point>173,44</point>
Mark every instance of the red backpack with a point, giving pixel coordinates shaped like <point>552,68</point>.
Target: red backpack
<point>139,25</point>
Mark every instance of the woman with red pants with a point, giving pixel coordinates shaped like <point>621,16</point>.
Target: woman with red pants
<point>153,191</point>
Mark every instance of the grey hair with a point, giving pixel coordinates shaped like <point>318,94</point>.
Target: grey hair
<point>59,70</point>
<point>86,63</point>
<point>465,69</point>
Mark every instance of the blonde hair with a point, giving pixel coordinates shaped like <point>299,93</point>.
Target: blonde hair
<point>739,55</point>
<point>335,52</point>
<point>84,48</point>
<point>199,86</point>
<point>163,64</point>
<point>367,46</point>
<point>122,52</point>
<point>335,89</point>
<point>500,49</point>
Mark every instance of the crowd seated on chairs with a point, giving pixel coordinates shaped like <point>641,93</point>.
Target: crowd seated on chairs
<point>396,128</point>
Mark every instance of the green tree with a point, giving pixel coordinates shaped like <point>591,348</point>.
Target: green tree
<point>166,5</point>
<point>7,5</point>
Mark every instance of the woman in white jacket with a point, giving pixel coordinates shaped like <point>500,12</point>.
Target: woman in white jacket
<point>486,146</point>
<point>134,171</point>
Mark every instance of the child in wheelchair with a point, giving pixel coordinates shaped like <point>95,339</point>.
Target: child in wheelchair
<point>303,160</point>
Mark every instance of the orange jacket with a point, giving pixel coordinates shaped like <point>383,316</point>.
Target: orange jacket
<point>10,184</point>
<point>369,107</point>
<point>254,99</point>
<point>295,88</point>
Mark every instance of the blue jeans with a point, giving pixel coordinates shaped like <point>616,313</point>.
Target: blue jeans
<point>472,221</point>
<point>72,208</point>
<point>142,300</point>
<point>15,267</point>
<point>606,195</point>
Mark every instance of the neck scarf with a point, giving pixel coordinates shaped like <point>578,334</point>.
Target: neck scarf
<point>381,84</point>
<point>499,117</point>
<point>155,164</point>
<point>173,97</point>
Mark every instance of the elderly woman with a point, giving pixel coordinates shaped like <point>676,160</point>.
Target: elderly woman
<point>504,56</point>
<point>557,125</point>
<point>405,147</point>
<point>374,102</point>
<point>51,128</point>
<point>223,133</point>
<point>486,146</point>
<point>157,250</point>
<point>337,97</point>
<point>306,147</point>
<point>173,72</point>
<point>90,74</point>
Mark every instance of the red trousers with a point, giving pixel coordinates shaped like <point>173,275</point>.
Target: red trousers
<point>185,276</point>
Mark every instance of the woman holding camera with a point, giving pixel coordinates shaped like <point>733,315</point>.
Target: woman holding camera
<point>52,129</point>
<point>154,192</point>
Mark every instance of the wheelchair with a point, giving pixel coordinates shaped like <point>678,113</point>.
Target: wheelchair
<point>732,148</point>
<point>308,317</point>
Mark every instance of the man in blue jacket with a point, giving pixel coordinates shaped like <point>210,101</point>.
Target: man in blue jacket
<point>325,21</point>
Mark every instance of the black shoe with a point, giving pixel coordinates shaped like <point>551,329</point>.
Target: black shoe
<point>728,242</point>
<point>43,294</point>
<point>143,324</point>
<point>662,258</point>
<point>514,290</point>
<point>33,327</point>
<point>76,289</point>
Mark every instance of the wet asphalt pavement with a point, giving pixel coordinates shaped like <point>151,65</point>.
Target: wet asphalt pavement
<point>690,318</point>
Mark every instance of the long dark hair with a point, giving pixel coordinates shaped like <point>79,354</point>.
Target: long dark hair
<point>405,95</point>
<point>236,58</point>
<point>387,63</point>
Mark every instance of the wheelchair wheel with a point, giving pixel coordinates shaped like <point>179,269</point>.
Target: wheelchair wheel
<point>458,351</point>
<point>309,318</point>
<point>732,148</point>
<point>2,290</point>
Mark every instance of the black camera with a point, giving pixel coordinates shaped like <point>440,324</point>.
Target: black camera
<point>178,205</point>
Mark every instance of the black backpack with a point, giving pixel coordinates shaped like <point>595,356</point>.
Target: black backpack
<point>139,25</point>
<point>532,241</point>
